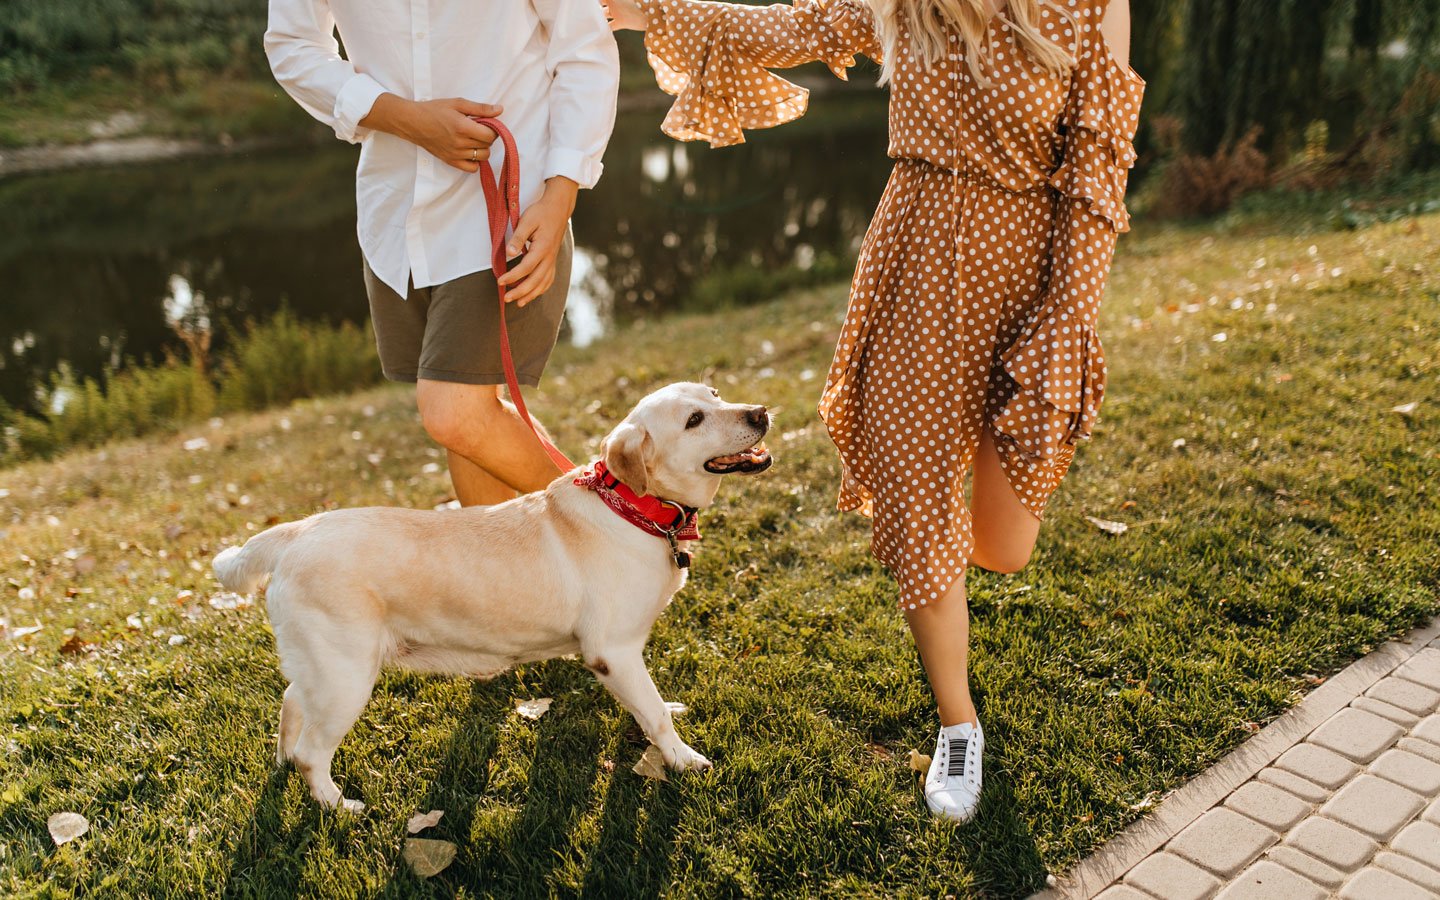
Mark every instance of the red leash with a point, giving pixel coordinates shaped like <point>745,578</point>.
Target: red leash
<point>504,211</point>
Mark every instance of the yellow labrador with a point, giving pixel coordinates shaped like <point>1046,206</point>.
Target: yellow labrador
<point>475,591</point>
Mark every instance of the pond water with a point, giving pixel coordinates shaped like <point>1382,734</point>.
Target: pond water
<point>98,265</point>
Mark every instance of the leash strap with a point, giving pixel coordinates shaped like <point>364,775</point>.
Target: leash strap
<point>502,204</point>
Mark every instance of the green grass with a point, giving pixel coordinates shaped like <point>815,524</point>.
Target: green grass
<point>1293,531</point>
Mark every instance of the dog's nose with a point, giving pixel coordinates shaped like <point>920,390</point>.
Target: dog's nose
<point>758,416</point>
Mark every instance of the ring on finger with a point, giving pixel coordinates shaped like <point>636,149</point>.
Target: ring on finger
<point>474,154</point>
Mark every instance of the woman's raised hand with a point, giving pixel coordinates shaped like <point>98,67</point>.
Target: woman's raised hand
<point>625,14</point>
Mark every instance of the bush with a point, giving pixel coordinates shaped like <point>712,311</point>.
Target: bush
<point>270,364</point>
<point>1189,184</point>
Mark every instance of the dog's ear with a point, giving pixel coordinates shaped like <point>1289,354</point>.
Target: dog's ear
<point>627,453</point>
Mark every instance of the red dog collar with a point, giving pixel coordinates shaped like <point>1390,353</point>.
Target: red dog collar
<point>662,518</point>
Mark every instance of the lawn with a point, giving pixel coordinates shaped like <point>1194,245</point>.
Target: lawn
<point>1282,520</point>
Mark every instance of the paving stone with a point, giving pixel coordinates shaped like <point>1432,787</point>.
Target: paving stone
<point>1268,805</point>
<point>1428,729</point>
<point>1432,812</point>
<point>1422,668</point>
<point>1419,748</point>
<point>1222,841</point>
<point>1307,865</point>
<point>1332,843</point>
<point>1402,717</point>
<point>1373,805</point>
<point>1289,781</point>
<point>1409,869</point>
<point>1267,881</point>
<point>1121,892</point>
<point>1409,771</point>
<point>1421,841</point>
<point>1356,734</point>
<point>1167,875</point>
<point>1405,694</point>
<point>1373,883</point>
<point>1329,770</point>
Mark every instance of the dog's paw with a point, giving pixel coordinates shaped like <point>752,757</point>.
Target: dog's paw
<point>677,709</point>
<point>687,758</point>
<point>350,806</point>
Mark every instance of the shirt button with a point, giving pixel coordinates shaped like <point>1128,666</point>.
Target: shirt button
<point>419,35</point>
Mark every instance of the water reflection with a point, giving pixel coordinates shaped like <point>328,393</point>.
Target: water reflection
<point>98,267</point>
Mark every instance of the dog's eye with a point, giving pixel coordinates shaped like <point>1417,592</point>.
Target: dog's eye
<point>695,419</point>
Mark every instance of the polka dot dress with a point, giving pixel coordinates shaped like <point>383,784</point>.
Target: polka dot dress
<point>974,301</point>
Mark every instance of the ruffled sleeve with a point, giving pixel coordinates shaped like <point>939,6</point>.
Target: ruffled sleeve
<point>714,58</point>
<point>1057,367</point>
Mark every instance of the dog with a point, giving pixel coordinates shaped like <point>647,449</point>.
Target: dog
<point>583,567</point>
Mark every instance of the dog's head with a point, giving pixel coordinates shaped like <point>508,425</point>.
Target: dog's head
<point>679,440</point>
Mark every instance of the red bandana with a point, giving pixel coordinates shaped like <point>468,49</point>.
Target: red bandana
<point>662,518</point>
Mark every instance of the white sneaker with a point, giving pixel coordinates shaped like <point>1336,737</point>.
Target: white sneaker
<point>952,788</point>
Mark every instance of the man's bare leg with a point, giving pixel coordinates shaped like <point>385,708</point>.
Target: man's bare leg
<point>473,422</point>
<point>474,486</point>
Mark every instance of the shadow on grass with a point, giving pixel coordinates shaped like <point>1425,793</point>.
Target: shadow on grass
<point>521,860</point>
<point>267,854</point>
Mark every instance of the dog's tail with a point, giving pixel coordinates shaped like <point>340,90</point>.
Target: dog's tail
<point>245,569</point>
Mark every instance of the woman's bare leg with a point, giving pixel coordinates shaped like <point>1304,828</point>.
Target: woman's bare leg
<point>1005,533</point>
<point>942,634</point>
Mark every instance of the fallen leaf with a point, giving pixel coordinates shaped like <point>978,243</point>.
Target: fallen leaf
<point>919,762</point>
<point>17,633</point>
<point>428,857</point>
<point>533,709</point>
<point>1406,409</point>
<point>421,821</point>
<point>651,764</point>
<point>608,765</point>
<point>1128,504</point>
<point>173,531</point>
<point>1177,444</point>
<point>1108,526</point>
<point>1146,802</point>
<point>75,645</point>
<point>11,795</point>
<point>1283,377</point>
<point>1312,679</point>
<point>1085,819</point>
<point>879,750</point>
<point>67,826</point>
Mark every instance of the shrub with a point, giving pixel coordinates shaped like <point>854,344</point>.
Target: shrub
<point>1188,184</point>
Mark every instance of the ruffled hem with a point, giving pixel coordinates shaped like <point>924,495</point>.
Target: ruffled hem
<point>1059,376</point>
<point>722,94</point>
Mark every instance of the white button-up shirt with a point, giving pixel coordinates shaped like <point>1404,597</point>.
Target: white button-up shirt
<point>551,64</point>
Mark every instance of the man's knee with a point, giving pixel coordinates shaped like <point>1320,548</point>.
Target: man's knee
<point>454,414</point>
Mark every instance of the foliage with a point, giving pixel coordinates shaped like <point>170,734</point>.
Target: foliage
<point>276,362</point>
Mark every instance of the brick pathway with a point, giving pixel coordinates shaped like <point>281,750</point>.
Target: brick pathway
<point>1340,797</point>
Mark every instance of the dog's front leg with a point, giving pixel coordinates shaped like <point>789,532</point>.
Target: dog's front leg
<point>625,675</point>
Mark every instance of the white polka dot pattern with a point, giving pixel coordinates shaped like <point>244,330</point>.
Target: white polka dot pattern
<point>975,297</point>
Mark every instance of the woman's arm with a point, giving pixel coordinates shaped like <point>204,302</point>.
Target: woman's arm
<point>715,57</point>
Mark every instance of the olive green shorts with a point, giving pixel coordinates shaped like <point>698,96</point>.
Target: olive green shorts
<point>451,332</point>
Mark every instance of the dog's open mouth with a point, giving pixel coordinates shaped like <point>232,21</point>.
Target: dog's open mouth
<point>746,462</point>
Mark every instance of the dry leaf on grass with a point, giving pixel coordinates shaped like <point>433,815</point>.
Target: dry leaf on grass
<point>533,709</point>
<point>428,857</point>
<point>67,826</point>
<point>1108,526</point>
<point>1406,409</point>
<point>421,821</point>
<point>919,762</point>
<point>652,764</point>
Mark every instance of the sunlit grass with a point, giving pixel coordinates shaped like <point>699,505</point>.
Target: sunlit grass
<point>1282,521</point>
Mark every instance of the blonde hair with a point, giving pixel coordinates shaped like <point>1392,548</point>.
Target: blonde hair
<point>929,24</point>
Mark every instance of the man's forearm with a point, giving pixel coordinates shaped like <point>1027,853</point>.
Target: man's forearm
<point>391,114</point>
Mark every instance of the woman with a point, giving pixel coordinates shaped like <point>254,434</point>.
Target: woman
<point>969,346</point>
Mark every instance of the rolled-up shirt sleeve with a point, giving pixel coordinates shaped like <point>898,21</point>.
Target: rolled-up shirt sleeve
<point>585,68</point>
<point>305,57</point>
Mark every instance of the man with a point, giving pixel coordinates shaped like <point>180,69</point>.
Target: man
<point>414,74</point>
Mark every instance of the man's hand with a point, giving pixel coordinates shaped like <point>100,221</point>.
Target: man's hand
<point>539,235</point>
<point>625,14</point>
<point>442,128</point>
